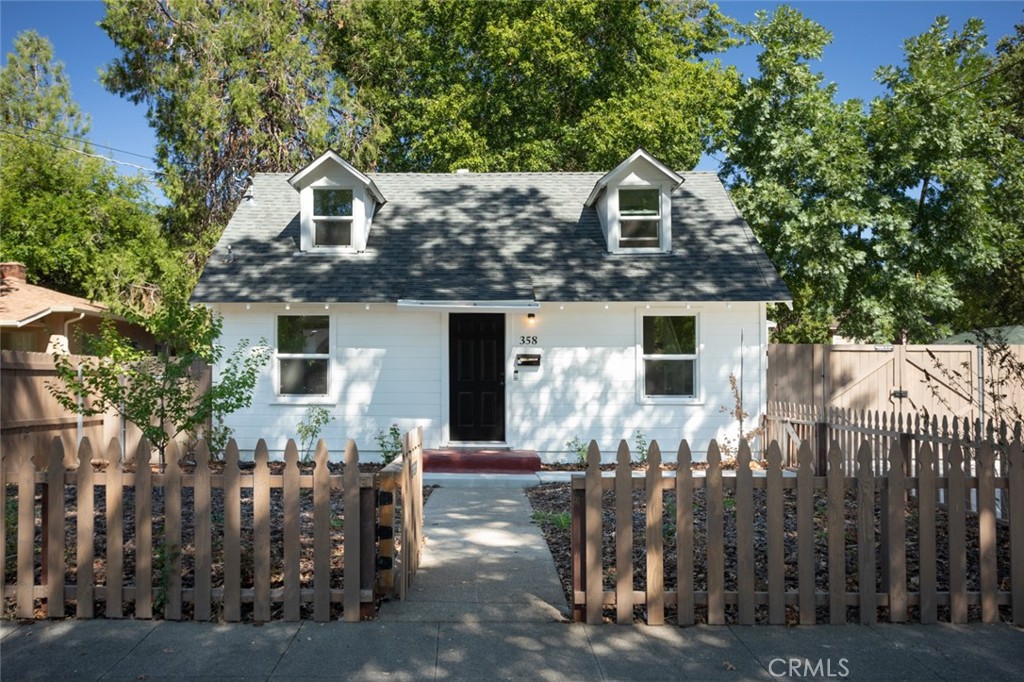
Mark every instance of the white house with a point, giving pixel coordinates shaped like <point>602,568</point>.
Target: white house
<point>517,309</point>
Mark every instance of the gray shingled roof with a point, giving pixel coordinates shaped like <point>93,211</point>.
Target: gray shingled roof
<point>489,237</point>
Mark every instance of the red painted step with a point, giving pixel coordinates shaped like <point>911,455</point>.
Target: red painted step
<point>480,461</point>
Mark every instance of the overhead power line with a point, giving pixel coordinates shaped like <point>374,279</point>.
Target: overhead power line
<point>84,153</point>
<point>79,139</point>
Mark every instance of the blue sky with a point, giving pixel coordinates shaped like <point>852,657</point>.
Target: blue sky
<point>866,35</point>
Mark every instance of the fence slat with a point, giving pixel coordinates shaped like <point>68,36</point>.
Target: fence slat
<point>866,535</point>
<point>86,505</point>
<point>321,535</point>
<point>292,606</point>
<point>926,503</point>
<point>957,535</point>
<point>172,533</point>
<point>55,531</point>
<point>352,527</point>
<point>896,551</point>
<point>26,536</point>
<point>113,490</point>
<point>623,536</point>
<point>776,538</point>
<point>987,530</point>
<point>143,532</point>
<point>261,533</point>
<point>232,535</point>
<point>1016,510</point>
<point>836,536</point>
<point>202,610</point>
<point>745,535</point>
<point>592,528</point>
<point>655,539</point>
<point>684,533</point>
<point>805,533</point>
<point>715,537</point>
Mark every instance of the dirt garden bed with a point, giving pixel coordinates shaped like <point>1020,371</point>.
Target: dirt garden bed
<point>552,504</point>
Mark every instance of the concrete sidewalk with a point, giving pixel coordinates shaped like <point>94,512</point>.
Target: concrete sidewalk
<point>485,605</point>
<point>161,650</point>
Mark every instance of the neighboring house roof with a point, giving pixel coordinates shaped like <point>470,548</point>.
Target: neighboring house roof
<point>489,237</point>
<point>1012,335</point>
<point>22,303</point>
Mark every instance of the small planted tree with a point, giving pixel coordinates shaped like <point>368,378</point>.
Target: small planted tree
<point>160,393</point>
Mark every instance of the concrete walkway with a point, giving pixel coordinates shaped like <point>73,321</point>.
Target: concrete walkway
<point>483,561</point>
<point>485,606</point>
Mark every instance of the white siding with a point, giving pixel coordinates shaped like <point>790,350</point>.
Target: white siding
<point>586,385</point>
<point>390,366</point>
<point>386,369</point>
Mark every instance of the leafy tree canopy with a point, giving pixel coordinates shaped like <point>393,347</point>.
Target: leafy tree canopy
<point>530,85</point>
<point>881,218</point>
<point>231,88</point>
<point>78,225</point>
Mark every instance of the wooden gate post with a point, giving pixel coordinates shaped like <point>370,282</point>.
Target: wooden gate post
<point>579,548</point>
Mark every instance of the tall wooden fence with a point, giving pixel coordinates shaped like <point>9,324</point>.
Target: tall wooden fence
<point>956,381</point>
<point>30,417</point>
<point>191,542</point>
<point>752,546</point>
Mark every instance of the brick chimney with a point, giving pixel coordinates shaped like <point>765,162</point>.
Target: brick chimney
<point>14,271</point>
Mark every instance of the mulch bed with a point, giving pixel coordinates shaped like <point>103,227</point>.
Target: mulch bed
<point>161,551</point>
<point>553,503</point>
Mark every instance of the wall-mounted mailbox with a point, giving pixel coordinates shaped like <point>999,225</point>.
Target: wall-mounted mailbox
<point>528,360</point>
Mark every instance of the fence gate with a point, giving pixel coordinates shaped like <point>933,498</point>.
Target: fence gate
<point>940,379</point>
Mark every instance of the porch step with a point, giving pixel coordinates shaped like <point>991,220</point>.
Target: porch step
<point>483,461</point>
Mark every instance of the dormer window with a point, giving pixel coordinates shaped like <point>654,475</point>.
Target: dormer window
<point>337,204</point>
<point>634,205</point>
<point>639,218</point>
<point>332,217</point>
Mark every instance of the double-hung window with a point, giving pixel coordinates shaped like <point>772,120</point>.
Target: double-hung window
<point>669,363</point>
<point>639,218</point>
<point>332,217</point>
<point>303,355</point>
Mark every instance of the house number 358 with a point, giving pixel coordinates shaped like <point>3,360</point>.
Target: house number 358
<point>527,340</point>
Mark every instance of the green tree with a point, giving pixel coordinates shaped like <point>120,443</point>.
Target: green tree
<point>996,299</point>
<point>232,87</point>
<point>797,167</point>
<point>884,220</point>
<point>938,144</point>
<point>160,393</point>
<point>78,225</point>
<point>532,85</point>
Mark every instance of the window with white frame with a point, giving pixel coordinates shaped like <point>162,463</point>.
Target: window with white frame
<point>639,218</point>
<point>303,355</point>
<point>669,367</point>
<point>332,217</point>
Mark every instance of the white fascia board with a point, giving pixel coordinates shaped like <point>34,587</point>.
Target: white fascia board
<point>468,305</point>
<point>640,153</point>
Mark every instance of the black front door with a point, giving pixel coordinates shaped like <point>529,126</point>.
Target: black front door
<point>477,376</point>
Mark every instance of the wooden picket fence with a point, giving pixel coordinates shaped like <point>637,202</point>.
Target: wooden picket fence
<point>855,525</point>
<point>56,557</point>
<point>401,485</point>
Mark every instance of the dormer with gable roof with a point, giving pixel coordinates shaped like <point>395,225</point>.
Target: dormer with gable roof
<point>336,205</point>
<point>634,205</point>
